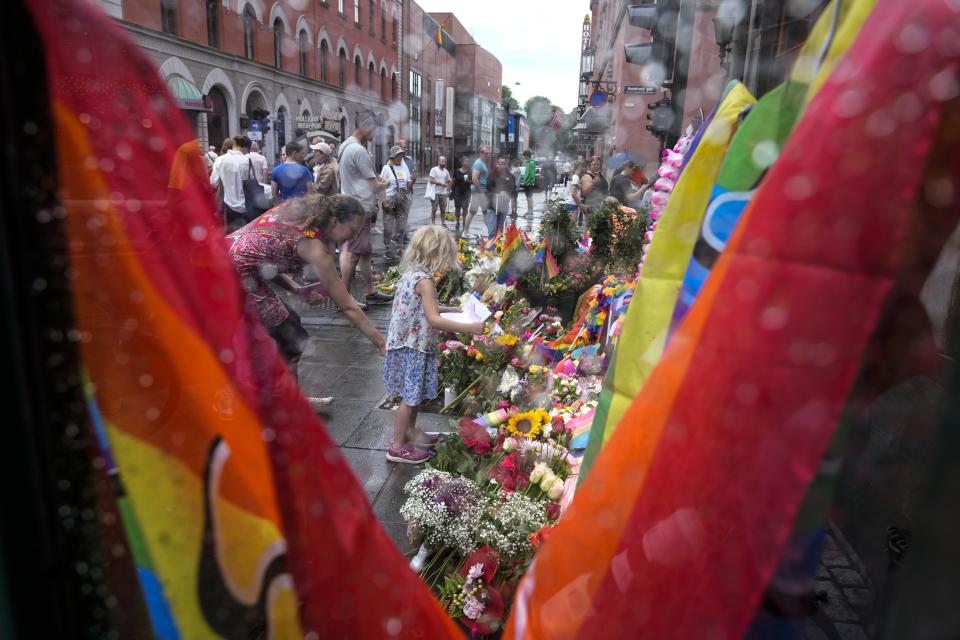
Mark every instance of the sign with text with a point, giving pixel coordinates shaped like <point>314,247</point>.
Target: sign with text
<point>448,121</point>
<point>328,121</point>
<point>639,89</point>
<point>438,114</point>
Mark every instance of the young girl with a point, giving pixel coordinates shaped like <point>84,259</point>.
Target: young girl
<point>410,370</point>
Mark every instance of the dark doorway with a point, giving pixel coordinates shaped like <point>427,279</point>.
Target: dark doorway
<point>217,125</point>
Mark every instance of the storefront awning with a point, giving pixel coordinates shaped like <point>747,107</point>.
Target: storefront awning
<point>185,93</point>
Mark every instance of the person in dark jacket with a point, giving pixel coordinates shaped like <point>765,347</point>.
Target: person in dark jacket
<point>461,191</point>
<point>502,187</point>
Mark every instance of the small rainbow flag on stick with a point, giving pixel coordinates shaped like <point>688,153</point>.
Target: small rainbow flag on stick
<point>550,262</point>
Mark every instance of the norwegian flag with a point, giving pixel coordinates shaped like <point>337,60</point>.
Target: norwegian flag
<point>556,119</point>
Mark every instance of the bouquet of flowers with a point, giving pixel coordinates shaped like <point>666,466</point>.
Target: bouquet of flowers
<point>470,596</point>
<point>442,510</point>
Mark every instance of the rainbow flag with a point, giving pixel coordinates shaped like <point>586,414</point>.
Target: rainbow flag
<point>245,518</point>
<point>550,262</point>
<point>439,36</point>
<point>648,318</point>
<point>734,400</point>
<point>512,243</point>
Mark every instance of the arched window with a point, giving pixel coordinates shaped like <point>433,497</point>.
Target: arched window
<point>168,16</point>
<point>249,25</point>
<point>213,23</point>
<point>278,43</point>
<point>323,60</point>
<point>383,84</point>
<point>393,87</point>
<point>371,75</point>
<point>342,80</point>
<point>304,48</point>
<point>357,67</point>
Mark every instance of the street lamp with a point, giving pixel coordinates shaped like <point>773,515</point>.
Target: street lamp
<point>724,24</point>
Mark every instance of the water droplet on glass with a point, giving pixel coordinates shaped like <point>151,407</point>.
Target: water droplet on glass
<point>198,233</point>
<point>765,154</point>
<point>913,38</point>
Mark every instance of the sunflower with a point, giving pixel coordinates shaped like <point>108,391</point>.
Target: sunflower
<point>528,424</point>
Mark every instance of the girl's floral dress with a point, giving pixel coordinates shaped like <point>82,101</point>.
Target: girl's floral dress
<point>412,365</point>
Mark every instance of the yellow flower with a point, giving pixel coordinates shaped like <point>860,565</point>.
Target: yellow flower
<point>506,340</point>
<point>528,424</point>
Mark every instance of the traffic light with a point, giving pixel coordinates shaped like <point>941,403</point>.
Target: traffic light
<point>660,115</point>
<point>643,16</point>
<point>265,125</point>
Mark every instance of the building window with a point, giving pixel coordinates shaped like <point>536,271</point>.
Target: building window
<point>383,23</point>
<point>168,16</point>
<point>371,77</point>
<point>396,31</point>
<point>213,23</point>
<point>371,18</point>
<point>323,60</point>
<point>340,7</point>
<point>342,78</point>
<point>278,43</point>
<point>383,84</point>
<point>393,87</point>
<point>357,67</point>
<point>304,52</point>
<point>356,12</point>
<point>249,23</point>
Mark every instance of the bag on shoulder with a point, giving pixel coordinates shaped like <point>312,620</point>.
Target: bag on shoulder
<point>253,195</point>
<point>400,196</point>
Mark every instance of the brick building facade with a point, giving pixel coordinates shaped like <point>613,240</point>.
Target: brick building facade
<point>311,65</point>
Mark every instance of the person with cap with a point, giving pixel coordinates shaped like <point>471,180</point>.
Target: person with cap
<point>357,178</point>
<point>396,201</point>
<point>324,172</point>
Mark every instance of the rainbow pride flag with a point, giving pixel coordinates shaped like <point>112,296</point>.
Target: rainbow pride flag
<point>687,516</point>
<point>648,318</point>
<point>550,262</point>
<point>245,518</point>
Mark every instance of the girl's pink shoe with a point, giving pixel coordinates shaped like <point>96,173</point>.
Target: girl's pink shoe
<point>408,454</point>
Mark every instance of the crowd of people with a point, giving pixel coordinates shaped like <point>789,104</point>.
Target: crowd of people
<point>316,223</point>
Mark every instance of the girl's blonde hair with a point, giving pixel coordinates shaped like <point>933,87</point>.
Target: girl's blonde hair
<point>431,249</point>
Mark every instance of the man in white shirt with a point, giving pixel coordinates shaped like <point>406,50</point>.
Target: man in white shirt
<point>230,172</point>
<point>259,163</point>
<point>438,186</point>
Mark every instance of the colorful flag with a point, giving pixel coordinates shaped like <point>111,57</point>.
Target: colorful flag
<point>556,119</point>
<point>648,318</point>
<point>686,529</point>
<point>550,262</point>
<point>439,37</point>
<point>245,518</point>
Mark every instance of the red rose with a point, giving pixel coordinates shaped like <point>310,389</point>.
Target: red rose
<point>553,510</point>
<point>476,438</point>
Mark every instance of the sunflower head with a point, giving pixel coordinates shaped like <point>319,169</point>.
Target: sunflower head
<point>527,424</point>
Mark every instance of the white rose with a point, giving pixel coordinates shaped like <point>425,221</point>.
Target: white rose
<point>556,489</point>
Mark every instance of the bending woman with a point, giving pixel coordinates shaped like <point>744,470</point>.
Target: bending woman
<point>281,242</point>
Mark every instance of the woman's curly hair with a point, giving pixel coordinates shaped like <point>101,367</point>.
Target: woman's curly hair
<point>314,211</point>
